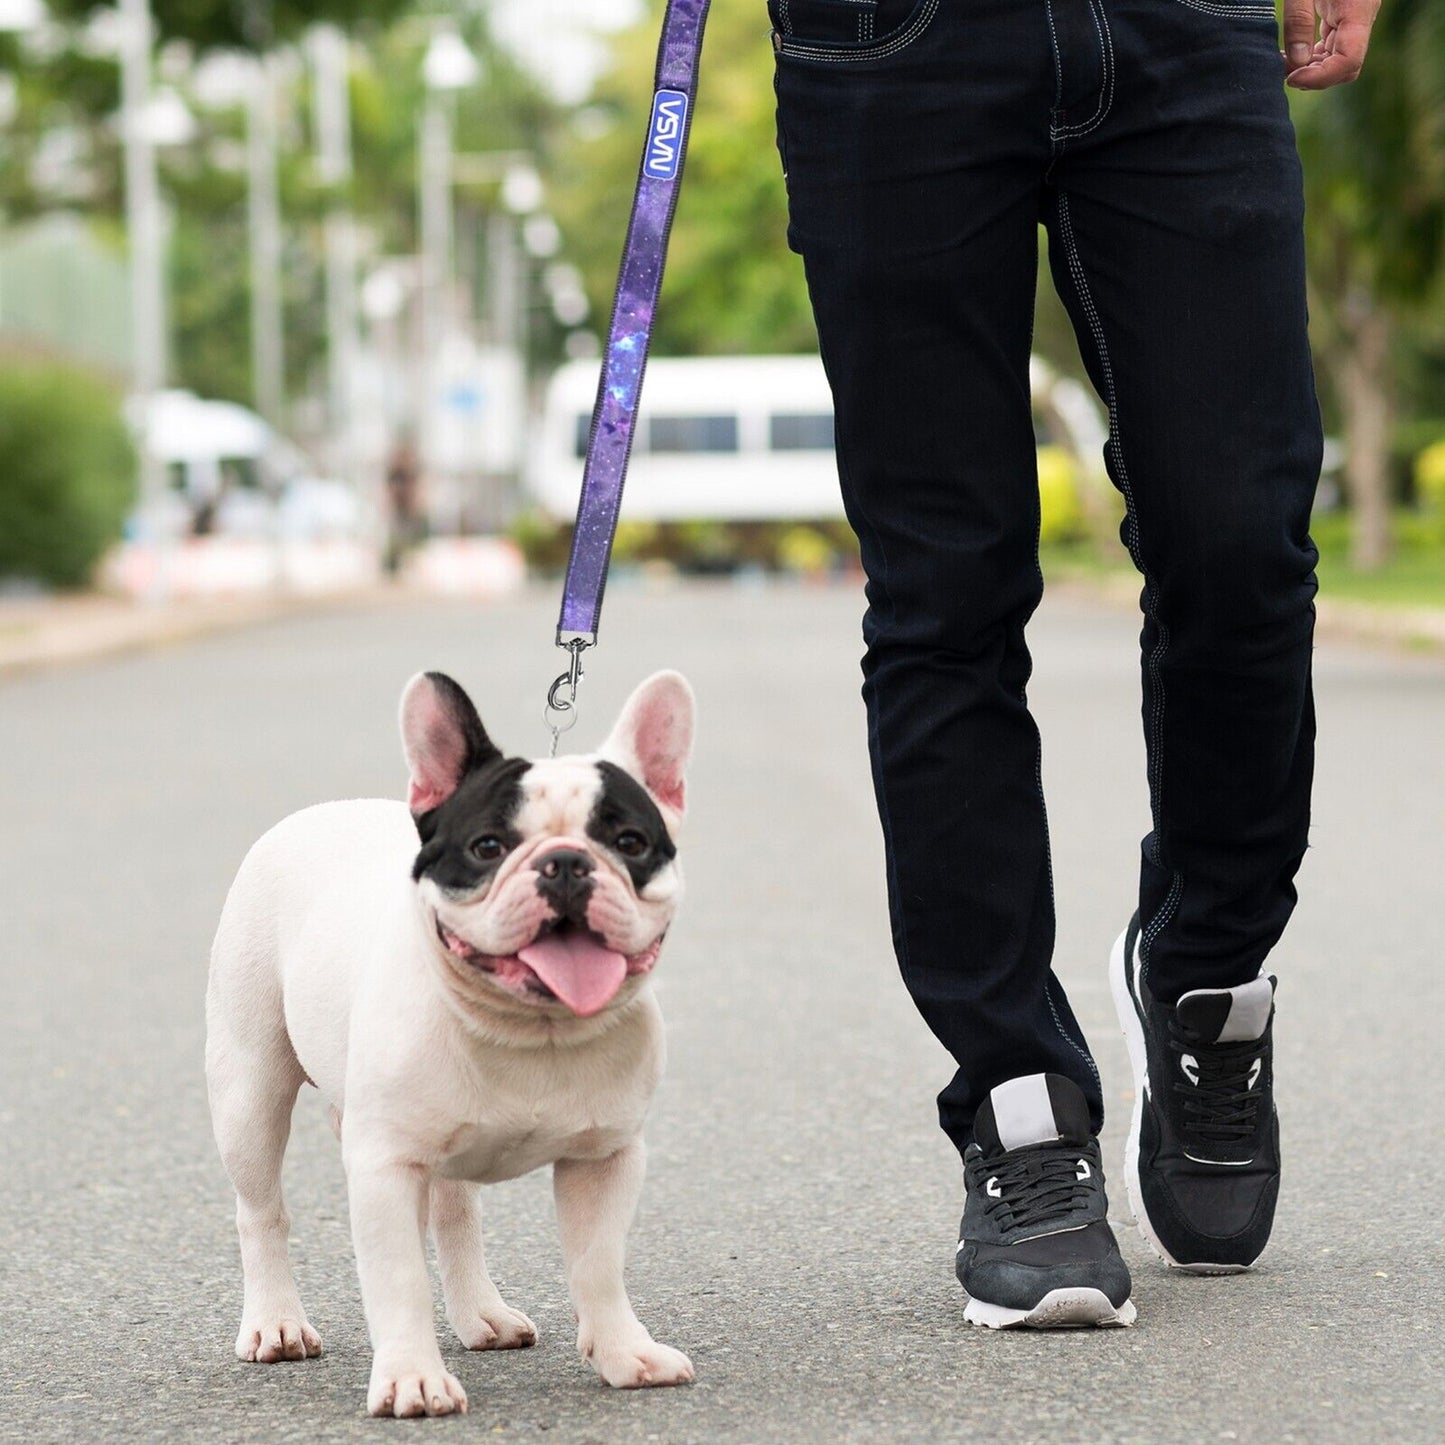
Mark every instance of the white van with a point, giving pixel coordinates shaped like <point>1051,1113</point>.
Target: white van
<point>727,438</point>
<point>228,472</point>
<point>742,438</point>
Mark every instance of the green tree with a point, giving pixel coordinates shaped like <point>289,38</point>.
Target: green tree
<point>1374,155</point>
<point>59,92</point>
<point>69,475</point>
<point>732,285</point>
<point>246,24</point>
<point>68,90</point>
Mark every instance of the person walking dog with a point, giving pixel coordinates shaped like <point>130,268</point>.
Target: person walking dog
<point>923,141</point>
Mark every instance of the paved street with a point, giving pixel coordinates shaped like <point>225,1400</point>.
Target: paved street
<point>796,1234</point>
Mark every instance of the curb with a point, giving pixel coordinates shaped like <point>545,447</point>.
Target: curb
<point>53,632</point>
<point>56,632</point>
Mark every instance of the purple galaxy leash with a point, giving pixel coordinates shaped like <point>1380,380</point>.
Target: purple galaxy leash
<point>639,279</point>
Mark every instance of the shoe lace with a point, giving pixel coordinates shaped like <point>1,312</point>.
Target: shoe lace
<point>1034,1184</point>
<point>1222,1106</point>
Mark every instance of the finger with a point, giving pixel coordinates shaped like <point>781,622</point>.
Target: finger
<point>1335,69</point>
<point>1345,48</point>
<point>1299,32</point>
<point>1352,38</point>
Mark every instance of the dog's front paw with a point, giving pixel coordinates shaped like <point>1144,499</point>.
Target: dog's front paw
<point>637,1364</point>
<point>266,1341</point>
<point>496,1327</point>
<point>404,1388</point>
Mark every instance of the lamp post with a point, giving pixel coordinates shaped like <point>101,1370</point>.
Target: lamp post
<point>268,353</point>
<point>521,197</point>
<point>147,119</point>
<point>330,59</point>
<point>449,67</point>
<point>142,213</point>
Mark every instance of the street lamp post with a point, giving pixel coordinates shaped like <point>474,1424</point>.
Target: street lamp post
<point>330,56</point>
<point>147,262</point>
<point>435,219</point>
<point>142,203</point>
<point>449,67</point>
<point>268,356</point>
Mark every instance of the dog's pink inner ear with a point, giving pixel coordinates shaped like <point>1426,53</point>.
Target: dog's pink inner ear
<point>653,738</point>
<point>436,748</point>
<point>660,742</point>
<point>437,762</point>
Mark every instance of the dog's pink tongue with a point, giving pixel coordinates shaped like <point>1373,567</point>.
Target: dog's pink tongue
<point>578,969</point>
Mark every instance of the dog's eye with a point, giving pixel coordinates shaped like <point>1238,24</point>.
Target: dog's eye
<point>631,844</point>
<point>488,848</point>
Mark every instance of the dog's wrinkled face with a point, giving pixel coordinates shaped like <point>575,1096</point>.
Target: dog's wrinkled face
<point>552,881</point>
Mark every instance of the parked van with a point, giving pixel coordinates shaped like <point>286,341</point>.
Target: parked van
<point>742,438</point>
<point>728,438</point>
<point>228,473</point>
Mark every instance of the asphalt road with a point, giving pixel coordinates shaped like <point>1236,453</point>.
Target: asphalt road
<point>796,1235</point>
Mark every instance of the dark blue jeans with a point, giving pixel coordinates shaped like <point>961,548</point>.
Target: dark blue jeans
<point>923,142</point>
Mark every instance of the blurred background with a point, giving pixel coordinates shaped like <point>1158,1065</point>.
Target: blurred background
<point>300,308</point>
<point>306,298</point>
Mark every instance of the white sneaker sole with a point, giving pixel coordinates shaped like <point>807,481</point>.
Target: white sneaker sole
<point>1060,1309</point>
<point>1139,1060</point>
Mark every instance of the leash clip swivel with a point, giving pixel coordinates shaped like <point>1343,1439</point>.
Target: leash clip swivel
<point>560,713</point>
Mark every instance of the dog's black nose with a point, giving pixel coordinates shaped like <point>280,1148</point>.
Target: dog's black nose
<point>564,879</point>
<point>564,864</point>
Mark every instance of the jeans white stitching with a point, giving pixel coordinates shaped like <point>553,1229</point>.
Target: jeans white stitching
<point>905,38</point>
<point>1058,59</point>
<point>1083,1053</point>
<point>1156,657</point>
<point>1049,980</point>
<point>1253,12</point>
<point>1159,923</point>
<point>1106,90</point>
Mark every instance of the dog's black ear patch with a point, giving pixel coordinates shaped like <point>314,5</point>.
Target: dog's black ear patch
<point>625,807</point>
<point>457,851</point>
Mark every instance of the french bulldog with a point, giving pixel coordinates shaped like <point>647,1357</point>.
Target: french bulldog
<point>467,980</point>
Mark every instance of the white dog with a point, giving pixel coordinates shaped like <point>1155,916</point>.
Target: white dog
<point>473,1009</point>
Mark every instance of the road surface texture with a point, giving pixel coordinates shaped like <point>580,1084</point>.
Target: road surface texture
<point>796,1235</point>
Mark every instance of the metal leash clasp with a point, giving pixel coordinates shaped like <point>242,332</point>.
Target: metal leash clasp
<point>560,713</point>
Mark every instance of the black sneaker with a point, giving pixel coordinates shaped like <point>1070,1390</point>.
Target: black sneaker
<point>1202,1161</point>
<point>1035,1246</point>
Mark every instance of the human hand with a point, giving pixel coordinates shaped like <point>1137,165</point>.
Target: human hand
<point>1339,52</point>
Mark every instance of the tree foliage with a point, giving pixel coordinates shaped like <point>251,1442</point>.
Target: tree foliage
<point>731,285</point>
<point>1374,155</point>
<point>67,90</point>
<point>1374,158</point>
<point>246,24</point>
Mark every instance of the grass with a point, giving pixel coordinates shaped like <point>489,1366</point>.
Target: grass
<point>1413,578</point>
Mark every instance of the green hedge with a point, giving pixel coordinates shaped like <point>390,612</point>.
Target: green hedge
<point>67,472</point>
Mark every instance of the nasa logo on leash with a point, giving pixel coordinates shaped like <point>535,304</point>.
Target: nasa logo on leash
<point>664,135</point>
